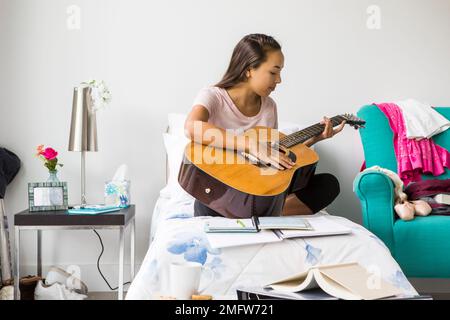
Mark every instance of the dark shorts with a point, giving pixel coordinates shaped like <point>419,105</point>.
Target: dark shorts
<point>320,192</point>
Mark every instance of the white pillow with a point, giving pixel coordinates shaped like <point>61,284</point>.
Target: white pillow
<point>175,150</point>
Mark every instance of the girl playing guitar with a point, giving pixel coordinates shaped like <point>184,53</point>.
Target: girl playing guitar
<point>241,101</point>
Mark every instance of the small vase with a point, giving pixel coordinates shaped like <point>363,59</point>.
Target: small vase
<point>53,177</point>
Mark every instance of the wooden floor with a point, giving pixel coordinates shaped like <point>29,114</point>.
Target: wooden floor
<point>111,295</point>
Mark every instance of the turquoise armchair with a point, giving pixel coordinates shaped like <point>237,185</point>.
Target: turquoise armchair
<point>420,246</point>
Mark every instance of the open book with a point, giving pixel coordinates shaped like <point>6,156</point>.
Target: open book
<point>224,232</point>
<point>256,224</point>
<point>348,281</point>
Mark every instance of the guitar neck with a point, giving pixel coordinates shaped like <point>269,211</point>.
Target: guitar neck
<point>307,133</point>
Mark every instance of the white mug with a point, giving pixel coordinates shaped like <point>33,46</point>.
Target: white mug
<point>185,279</point>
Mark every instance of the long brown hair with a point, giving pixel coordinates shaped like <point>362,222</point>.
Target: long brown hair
<point>249,53</point>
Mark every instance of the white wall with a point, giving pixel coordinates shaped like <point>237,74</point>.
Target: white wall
<point>156,55</point>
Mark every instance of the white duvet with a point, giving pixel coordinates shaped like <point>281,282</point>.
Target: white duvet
<point>180,237</point>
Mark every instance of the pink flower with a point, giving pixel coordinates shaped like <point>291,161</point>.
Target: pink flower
<point>40,149</point>
<point>49,153</point>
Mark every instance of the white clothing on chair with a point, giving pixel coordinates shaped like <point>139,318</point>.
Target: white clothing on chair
<point>421,120</point>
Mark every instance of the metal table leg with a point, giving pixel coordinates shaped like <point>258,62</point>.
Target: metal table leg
<point>132,255</point>
<point>17,268</point>
<point>39,253</point>
<point>121,249</point>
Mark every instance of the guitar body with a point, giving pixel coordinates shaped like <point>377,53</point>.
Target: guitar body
<point>235,187</point>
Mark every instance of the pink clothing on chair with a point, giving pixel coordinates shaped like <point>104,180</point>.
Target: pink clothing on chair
<point>413,157</point>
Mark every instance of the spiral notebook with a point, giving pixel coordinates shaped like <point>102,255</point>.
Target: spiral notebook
<point>255,224</point>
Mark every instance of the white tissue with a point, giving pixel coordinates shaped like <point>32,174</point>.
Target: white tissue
<point>121,173</point>
<point>117,191</point>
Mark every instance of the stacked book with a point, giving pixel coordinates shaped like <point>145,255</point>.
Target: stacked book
<point>92,209</point>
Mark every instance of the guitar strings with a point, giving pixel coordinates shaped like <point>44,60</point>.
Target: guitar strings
<point>309,132</point>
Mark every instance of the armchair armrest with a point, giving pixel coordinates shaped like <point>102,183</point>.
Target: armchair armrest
<point>375,191</point>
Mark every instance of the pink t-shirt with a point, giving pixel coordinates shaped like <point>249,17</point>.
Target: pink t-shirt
<point>224,114</point>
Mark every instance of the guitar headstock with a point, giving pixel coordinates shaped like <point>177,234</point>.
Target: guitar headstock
<point>353,120</point>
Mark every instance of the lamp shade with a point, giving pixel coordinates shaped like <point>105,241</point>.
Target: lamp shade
<point>83,127</point>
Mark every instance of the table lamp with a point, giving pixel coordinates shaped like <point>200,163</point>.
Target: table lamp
<point>83,130</point>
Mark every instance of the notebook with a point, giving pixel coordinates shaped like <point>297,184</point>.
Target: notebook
<point>348,281</point>
<point>285,223</point>
<point>92,209</point>
<point>255,224</point>
<point>321,226</point>
<point>226,225</point>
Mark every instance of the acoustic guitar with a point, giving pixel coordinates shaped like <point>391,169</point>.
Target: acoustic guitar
<point>237,185</point>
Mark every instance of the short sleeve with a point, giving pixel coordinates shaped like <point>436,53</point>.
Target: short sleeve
<point>207,97</point>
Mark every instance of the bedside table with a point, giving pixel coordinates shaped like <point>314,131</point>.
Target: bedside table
<point>61,220</point>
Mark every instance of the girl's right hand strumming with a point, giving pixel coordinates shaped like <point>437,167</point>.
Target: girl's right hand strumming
<point>265,153</point>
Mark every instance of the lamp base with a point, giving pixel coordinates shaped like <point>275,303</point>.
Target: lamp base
<point>83,179</point>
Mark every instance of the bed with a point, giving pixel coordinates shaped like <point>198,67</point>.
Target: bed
<point>177,236</point>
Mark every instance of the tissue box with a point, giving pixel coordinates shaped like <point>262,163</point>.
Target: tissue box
<point>117,193</point>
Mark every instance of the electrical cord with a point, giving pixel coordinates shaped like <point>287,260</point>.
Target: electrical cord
<point>98,264</point>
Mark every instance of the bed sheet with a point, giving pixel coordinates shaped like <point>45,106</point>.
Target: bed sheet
<point>180,237</point>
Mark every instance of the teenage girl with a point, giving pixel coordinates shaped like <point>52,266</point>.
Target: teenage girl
<point>241,101</point>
